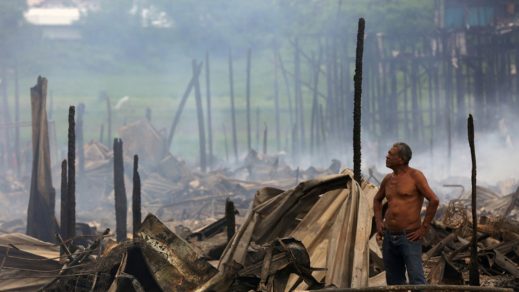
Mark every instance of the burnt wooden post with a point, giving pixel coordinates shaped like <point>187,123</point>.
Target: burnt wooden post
<point>136,197</point>
<point>71,177</point>
<point>180,108</point>
<point>119,191</point>
<point>474,272</point>
<point>80,138</point>
<point>357,101</point>
<point>247,99</point>
<point>40,213</point>
<point>233,110</point>
<point>230,219</point>
<point>209,118</point>
<point>200,118</point>
<point>64,220</point>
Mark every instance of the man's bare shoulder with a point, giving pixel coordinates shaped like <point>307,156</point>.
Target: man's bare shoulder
<point>387,177</point>
<point>417,174</point>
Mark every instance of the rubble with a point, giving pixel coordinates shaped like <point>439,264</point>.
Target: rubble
<point>295,229</point>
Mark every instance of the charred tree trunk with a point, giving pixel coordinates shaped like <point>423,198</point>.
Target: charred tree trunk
<point>136,197</point>
<point>119,191</point>
<point>474,272</point>
<point>71,177</point>
<point>40,213</point>
<point>357,102</point>
<point>64,220</point>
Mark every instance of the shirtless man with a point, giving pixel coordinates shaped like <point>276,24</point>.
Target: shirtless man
<point>402,227</point>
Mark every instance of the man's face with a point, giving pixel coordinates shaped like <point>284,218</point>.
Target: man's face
<point>392,158</point>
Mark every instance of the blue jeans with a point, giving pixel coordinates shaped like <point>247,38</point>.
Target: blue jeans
<point>400,253</point>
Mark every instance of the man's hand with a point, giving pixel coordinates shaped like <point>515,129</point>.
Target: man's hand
<point>380,230</point>
<point>417,234</point>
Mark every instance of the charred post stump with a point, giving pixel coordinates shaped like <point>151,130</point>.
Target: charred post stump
<point>473,272</point>
<point>119,191</point>
<point>40,213</point>
<point>64,203</point>
<point>136,196</point>
<point>200,118</point>
<point>230,219</point>
<point>71,177</point>
<point>357,78</point>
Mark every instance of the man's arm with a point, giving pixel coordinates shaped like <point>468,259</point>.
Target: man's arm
<point>426,191</point>
<point>377,206</point>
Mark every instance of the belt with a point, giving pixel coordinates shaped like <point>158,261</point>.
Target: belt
<point>400,232</point>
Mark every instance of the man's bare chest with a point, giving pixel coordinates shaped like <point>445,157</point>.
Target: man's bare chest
<point>402,187</point>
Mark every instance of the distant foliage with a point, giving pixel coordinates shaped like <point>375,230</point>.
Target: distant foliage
<point>220,24</point>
